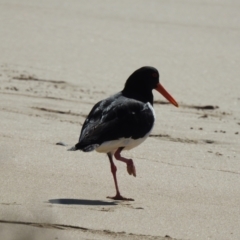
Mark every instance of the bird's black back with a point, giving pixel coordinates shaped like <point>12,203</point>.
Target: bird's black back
<point>114,118</point>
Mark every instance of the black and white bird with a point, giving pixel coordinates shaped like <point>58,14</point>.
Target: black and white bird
<point>123,121</point>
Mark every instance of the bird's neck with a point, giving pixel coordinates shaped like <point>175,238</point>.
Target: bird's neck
<point>139,96</point>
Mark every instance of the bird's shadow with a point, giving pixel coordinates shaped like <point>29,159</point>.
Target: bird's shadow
<point>88,202</point>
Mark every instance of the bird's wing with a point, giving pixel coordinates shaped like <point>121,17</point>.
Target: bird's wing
<point>112,119</point>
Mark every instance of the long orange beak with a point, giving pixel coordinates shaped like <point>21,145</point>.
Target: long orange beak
<point>162,90</point>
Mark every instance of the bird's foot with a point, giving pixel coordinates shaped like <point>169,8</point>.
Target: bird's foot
<point>120,197</point>
<point>131,168</point>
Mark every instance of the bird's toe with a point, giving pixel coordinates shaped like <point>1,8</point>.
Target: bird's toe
<point>119,197</point>
<point>131,168</point>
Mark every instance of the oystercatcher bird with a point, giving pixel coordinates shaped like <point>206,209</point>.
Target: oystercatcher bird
<point>123,121</point>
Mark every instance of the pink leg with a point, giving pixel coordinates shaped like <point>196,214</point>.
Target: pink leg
<point>130,165</point>
<point>114,170</point>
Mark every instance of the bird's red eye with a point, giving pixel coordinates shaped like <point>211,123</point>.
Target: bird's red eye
<point>155,75</point>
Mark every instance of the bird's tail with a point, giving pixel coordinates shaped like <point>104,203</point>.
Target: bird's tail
<point>88,148</point>
<point>73,148</point>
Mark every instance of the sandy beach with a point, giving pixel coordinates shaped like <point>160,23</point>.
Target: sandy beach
<point>58,58</point>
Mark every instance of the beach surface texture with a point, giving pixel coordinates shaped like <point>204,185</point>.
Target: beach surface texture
<point>58,58</point>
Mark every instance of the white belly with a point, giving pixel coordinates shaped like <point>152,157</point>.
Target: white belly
<point>127,143</point>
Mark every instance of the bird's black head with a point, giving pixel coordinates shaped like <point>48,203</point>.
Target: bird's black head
<point>140,84</point>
